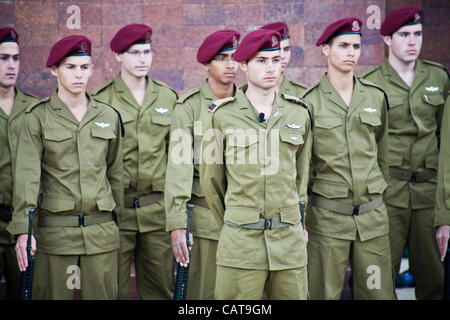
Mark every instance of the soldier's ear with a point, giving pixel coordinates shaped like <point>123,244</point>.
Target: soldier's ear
<point>326,49</point>
<point>118,56</point>
<point>387,40</point>
<point>206,66</point>
<point>243,66</point>
<point>54,70</point>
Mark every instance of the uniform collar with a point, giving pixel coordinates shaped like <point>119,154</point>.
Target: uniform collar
<point>332,94</point>
<point>206,91</point>
<point>389,72</point>
<point>125,92</point>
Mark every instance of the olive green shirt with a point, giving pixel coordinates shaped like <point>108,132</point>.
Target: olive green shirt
<point>442,207</point>
<point>292,88</point>
<point>10,127</point>
<point>191,119</point>
<point>414,120</point>
<point>65,167</point>
<point>261,170</point>
<point>145,143</point>
<point>350,157</point>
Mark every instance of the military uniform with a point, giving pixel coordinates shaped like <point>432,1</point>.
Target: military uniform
<point>142,224</point>
<point>10,127</point>
<point>414,120</point>
<point>349,173</point>
<point>258,189</point>
<point>72,171</point>
<point>292,88</point>
<point>191,119</point>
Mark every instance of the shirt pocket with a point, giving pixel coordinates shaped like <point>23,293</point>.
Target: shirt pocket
<point>59,148</point>
<point>290,142</point>
<point>377,185</point>
<point>290,215</point>
<point>434,100</point>
<point>328,135</point>
<point>242,149</point>
<point>242,215</point>
<point>99,146</point>
<point>371,119</point>
<point>56,205</point>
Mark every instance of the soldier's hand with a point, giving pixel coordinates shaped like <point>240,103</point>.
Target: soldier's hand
<point>305,233</point>
<point>21,250</point>
<point>180,250</point>
<point>442,235</point>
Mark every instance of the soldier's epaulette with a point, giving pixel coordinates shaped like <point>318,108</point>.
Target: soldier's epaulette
<point>371,84</point>
<point>31,95</point>
<point>100,88</point>
<point>162,84</point>
<point>310,89</point>
<point>437,64</point>
<point>301,102</point>
<point>34,105</point>
<point>218,103</point>
<point>298,84</point>
<point>369,71</point>
<point>243,86</point>
<point>188,94</point>
<point>122,127</point>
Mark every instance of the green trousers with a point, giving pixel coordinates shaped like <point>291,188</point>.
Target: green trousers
<point>370,263</point>
<point>57,276</point>
<point>414,228</point>
<point>245,284</point>
<point>10,269</point>
<point>153,260</point>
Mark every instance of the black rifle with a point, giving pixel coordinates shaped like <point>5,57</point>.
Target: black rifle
<point>302,213</point>
<point>182,278</point>
<point>26,277</point>
<point>447,274</point>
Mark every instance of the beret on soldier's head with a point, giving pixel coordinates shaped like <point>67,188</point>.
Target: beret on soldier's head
<point>399,18</point>
<point>129,35</point>
<point>281,27</point>
<point>222,40</point>
<point>75,45</point>
<point>350,25</point>
<point>8,35</point>
<point>258,40</point>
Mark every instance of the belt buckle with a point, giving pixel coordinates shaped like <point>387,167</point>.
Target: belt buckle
<point>413,177</point>
<point>355,211</point>
<point>81,220</point>
<point>268,224</point>
<point>136,202</point>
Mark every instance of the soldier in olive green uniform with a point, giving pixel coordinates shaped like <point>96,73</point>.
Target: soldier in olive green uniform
<point>348,219</point>
<point>285,86</point>
<point>146,108</point>
<point>69,165</point>
<point>192,118</point>
<point>416,90</point>
<point>13,103</point>
<point>442,206</point>
<point>260,174</point>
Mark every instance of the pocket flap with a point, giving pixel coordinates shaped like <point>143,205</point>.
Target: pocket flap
<point>106,204</point>
<point>431,162</point>
<point>127,117</point>
<point>330,190</point>
<point>240,215</point>
<point>291,137</point>
<point>327,122</point>
<point>103,133</point>
<point>161,120</point>
<point>376,186</point>
<point>290,215</point>
<point>57,205</point>
<point>241,140</point>
<point>57,135</point>
<point>395,102</point>
<point>371,119</point>
<point>433,99</point>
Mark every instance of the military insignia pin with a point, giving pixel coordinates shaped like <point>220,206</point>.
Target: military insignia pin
<point>235,41</point>
<point>161,110</point>
<point>83,46</point>
<point>13,35</point>
<point>355,26</point>
<point>416,17</point>
<point>147,37</point>
<point>274,41</point>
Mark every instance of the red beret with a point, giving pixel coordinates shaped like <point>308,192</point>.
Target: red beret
<point>279,27</point>
<point>222,40</point>
<point>344,26</point>
<point>258,40</point>
<point>75,45</point>
<point>400,17</point>
<point>8,35</point>
<point>129,35</point>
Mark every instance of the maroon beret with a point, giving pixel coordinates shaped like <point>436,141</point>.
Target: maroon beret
<point>399,18</point>
<point>222,40</point>
<point>258,40</point>
<point>279,27</point>
<point>75,45</point>
<point>8,35</point>
<point>344,26</point>
<point>129,35</point>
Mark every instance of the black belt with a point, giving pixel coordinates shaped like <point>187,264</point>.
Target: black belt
<point>412,176</point>
<point>142,201</point>
<point>81,220</point>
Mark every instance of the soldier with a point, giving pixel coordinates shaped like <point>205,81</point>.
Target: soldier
<point>348,219</point>
<point>146,108</point>
<point>416,90</point>
<point>69,165</point>
<point>192,118</point>
<point>262,146</point>
<point>284,85</point>
<point>13,103</point>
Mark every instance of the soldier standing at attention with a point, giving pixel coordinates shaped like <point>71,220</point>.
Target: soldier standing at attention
<point>191,118</point>
<point>146,107</point>
<point>13,103</point>
<point>260,174</point>
<point>69,166</point>
<point>284,85</point>
<point>348,219</point>
<point>417,91</point>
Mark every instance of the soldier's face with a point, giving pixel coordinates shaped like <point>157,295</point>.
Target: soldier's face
<point>222,68</point>
<point>285,53</point>
<point>344,51</point>
<point>73,73</point>
<point>136,60</point>
<point>263,69</point>
<point>9,63</point>
<point>405,43</point>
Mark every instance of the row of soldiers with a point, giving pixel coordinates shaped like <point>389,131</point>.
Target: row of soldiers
<point>111,172</point>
